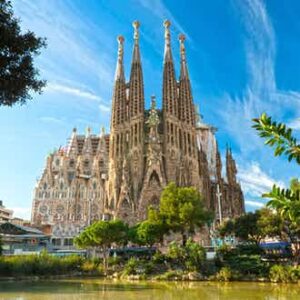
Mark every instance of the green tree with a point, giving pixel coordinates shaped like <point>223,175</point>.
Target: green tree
<point>247,229</point>
<point>253,226</point>
<point>227,228</point>
<point>285,201</point>
<point>149,233</point>
<point>278,135</point>
<point>191,256</point>
<point>270,223</point>
<point>102,235</point>
<point>196,255</point>
<point>18,76</point>
<point>183,210</point>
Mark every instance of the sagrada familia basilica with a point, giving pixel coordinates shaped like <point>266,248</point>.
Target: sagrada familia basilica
<point>118,175</point>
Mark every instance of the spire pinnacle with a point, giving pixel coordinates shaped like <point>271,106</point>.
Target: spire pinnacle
<point>167,55</point>
<point>136,35</point>
<point>119,69</point>
<point>167,25</point>
<point>184,71</point>
<point>102,131</point>
<point>136,25</point>
<point>88,131</point>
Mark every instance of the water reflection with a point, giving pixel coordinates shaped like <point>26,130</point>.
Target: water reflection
<point>109,289</point>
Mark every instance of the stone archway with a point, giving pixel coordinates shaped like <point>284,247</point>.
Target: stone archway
<point>154,179</point>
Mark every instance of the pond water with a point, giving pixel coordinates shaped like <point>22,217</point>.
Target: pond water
<point>109,289</point>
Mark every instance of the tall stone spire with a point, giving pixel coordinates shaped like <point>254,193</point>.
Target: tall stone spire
<point>119,75</point>
<point>186,105</point>
<point>119,92</point>
<point>183,64</point>
<point>136,36</point>
<point>135,127</point>
<point>230,167</point>
<point>136,84</point>
<point>169,78</point>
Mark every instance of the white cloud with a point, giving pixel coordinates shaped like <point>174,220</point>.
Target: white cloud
<point>255,181</point>
<point>295,124</point>
<point>52,120</point>
<point>104,108</point>
<point>261,94</point>
<point>254,203</point>
<point>74,91</point>
<point>80,52</point>
<point>22,212</point>
<point>158,8</point>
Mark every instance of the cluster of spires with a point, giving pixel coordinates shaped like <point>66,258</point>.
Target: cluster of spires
<point>136,52</point>
<point>179,104</point>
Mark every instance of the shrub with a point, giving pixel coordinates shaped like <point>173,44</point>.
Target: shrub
<point>279,273</point>
<point>114,261</point>
<point>248,264</point>
<point>89,267</point>
<point>190,257</point>
<point>249,249</point>
<point>176,253</point>
<point>170,275</point>
<point>43,264</point>
<point>195,255</point>
<point>148,267</point>
<point>159,258</point>
<point>131,267</point>
<point>225,274</point>
<point>224,252</point>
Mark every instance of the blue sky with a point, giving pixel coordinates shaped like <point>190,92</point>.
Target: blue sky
<point>243,58</point>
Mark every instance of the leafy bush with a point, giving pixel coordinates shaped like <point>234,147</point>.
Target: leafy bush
<point>114,261</point>
<point>225,274</point>
<point>248,265</point>
<point>225,251</point>
<point>170,275</point>
<point>43,264</point>
<point>244,259</point>
<point>195,255</point>
<point>279,273</point>
<point>89,267</point>
<point>176,253</point>
<point>131,268</point>
<point>159,258</point>
<point>190,257</point>
<point>249,249</point>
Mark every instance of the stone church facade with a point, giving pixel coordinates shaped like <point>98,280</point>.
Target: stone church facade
<point>118,175</point>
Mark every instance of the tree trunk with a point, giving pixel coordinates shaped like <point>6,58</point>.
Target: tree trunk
<point>105,263</point>
<point>184,238</point>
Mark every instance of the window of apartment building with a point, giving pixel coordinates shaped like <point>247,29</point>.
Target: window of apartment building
<point>56,242</point>
<point>68,242</point>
